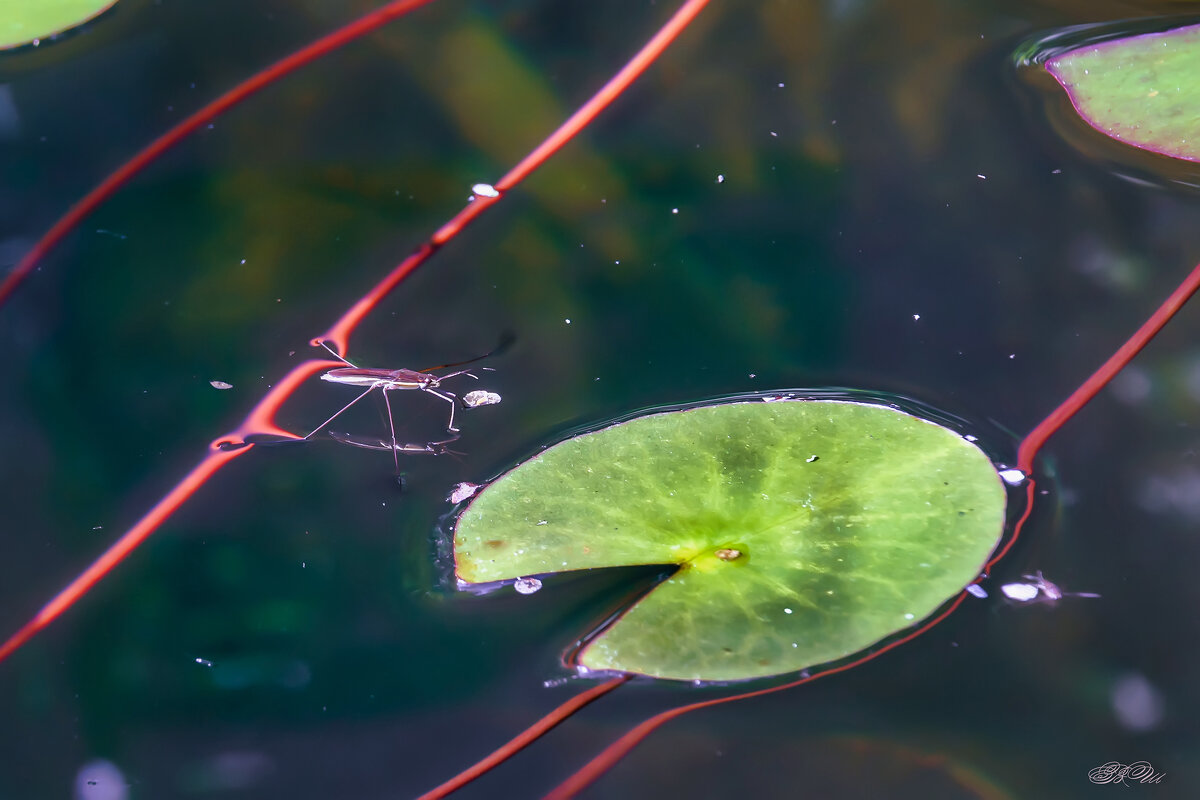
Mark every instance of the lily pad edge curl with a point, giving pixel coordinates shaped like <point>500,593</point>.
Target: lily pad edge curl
<point>804,530</point>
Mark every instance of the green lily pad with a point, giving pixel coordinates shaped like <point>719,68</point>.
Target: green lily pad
<point>1142,90</point>
<point>804,530</point>
<point>26,21</point>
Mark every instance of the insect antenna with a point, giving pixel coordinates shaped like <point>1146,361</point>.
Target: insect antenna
<point>506,340</point>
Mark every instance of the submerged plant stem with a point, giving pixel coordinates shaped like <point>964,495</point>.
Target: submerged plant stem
<point>525,738</point>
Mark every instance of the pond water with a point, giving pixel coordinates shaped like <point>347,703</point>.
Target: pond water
<point>801,194</point>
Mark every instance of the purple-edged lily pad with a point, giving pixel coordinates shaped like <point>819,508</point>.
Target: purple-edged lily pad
<point>1141,90</point>
<point>29,21</point>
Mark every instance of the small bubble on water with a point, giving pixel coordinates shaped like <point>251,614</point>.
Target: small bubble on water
<point>484,190</point>
<point>220,385</point>
<point>204,662</point>
<point>527,585</point>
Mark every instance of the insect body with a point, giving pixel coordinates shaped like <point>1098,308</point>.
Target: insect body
<point>390,380</point>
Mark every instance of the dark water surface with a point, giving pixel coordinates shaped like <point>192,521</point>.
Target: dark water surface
<point>902,209</point>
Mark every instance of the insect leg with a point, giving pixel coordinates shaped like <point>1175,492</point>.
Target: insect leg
<point>449,397</point>
<point>343,408</point>
<point>392,426</point>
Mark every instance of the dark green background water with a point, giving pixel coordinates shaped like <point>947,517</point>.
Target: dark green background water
<point>851,136</point>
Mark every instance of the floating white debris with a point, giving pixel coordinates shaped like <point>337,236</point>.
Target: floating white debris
<point>462,491</point>
<point>1039,589</point>
<point>1021,592</point>
<point>480,397</point>
<point>204,662</point>
<point>1013,477</point>
<point>220,385</point>
<point>720,179</point>
<point>976,590</point>
<point>527,585</point>
<point>484,190</point>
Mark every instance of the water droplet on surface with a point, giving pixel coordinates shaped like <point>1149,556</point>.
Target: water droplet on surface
<point>908,616</point>
<point>527,585</point>
<point>484,190</point>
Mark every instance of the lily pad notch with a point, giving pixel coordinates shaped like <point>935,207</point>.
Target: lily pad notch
<point>804,531</point>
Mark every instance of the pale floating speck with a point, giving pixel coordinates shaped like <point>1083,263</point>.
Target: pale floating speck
<point>480,397</point>
<point>484,190</point>
<point>462,491</point>
<point>977,591</point>
<point>527,585</point>
<point>674,210</point>
<point>720,179</point>
<point>981,177</point>
<point>220,385</point>
<point>543,522</point>
<point>811,459</point>
<point>568,321</point>
<point>971,438</point>
<point>100,779</point>
<point>1021,592</point>
<point>916,317</point>
<point>204,662</point>
<point>908,616</point>
<point>1013,477</point>
<point>787,611</point>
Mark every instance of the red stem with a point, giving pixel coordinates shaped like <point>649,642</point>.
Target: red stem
<point>1032,443</point>
<point>338,335</point>
<point>76,213</point>
<point>621,747</point>
<point>525,738</point>
<point>261,417</point>
<point>1026,453</point>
